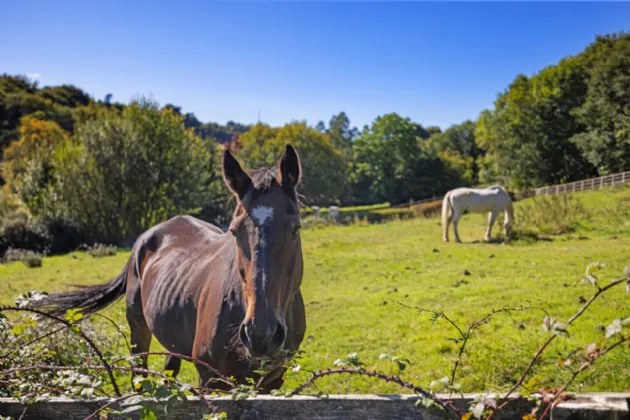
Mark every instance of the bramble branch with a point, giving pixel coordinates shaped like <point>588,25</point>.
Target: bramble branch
<point>388,378</point>
<point>76,331</point>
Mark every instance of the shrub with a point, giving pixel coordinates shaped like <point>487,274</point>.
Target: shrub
<point>553,214</point>
<point>65,235</point>
<point>29,258</point>
<point>430,209</point>
<point>101,250</point>
<point>20,231</point>
<point>32,260</point>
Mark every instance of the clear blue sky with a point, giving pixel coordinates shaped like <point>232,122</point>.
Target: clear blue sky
<point>437,63</point>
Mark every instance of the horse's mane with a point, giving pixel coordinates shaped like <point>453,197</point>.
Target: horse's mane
<point>263,178</point>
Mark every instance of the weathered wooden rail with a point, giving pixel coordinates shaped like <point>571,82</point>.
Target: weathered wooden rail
<point>585,184</point>
<point>606,406</point>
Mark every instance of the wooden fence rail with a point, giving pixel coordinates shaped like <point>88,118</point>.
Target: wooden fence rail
<point>585,184</point>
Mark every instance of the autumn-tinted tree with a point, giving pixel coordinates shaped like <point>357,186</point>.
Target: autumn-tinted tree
<point>28,165</point>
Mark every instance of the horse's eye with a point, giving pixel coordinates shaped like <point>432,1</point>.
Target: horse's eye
<point>296,231</point>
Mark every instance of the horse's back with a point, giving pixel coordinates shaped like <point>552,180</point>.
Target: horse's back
<point>478,199</point>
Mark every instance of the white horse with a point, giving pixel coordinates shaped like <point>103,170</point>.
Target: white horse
<point>493,199</point>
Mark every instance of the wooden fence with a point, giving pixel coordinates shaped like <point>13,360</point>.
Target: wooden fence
<point>588,406</point>
<point>585,184</point>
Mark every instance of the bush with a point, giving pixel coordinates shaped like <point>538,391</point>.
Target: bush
<point>65,235</point>
<point>29,258</point>
<point>430,209</point>
<point>101,250</point>
<point>553,214</point>
<point>32,260</point>
<point>20,231</point>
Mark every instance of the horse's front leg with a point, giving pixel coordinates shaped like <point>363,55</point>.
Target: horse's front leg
<point>492,216</point>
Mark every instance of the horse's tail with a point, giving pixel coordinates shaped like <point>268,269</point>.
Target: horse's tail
<point>446,212</point>
<point>89,299</point>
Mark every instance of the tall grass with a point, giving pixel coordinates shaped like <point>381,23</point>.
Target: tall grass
<point>552,214</point>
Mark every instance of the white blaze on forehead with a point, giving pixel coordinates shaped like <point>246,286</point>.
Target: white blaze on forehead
<point>261,214</point>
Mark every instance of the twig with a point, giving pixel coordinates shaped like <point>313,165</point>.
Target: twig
<point>529,367</point>
<point>109,404</point>
<point>118,368</point>
<point>357,371</point>
<point>79,332</point>
<point>582,368</point>
<point>221,378</point>
<point>41,337</point>
<point>466,335</point>
<point>120,331</point>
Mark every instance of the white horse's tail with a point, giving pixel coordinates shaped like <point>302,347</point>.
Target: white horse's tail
<point>446,213</point>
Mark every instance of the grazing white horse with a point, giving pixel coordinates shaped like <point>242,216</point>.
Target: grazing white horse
<point>493,199</point>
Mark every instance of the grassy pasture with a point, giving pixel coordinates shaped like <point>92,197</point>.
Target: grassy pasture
<point>357,277</point>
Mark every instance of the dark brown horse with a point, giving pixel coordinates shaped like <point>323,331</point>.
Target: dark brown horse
<point>228,299</point>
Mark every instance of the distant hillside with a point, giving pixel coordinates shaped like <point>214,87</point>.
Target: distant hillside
<point>66,104</point>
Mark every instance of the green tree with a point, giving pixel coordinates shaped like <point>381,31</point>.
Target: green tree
<point>606,110</point>
<point>392,162</point>
<point>323,165</point>
<point>527,134</point>
<point>125,173</point>
<point>341,133</point>
<point>458,148</point>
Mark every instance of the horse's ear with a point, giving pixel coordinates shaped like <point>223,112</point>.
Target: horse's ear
<point>290,170</point>
<point>235,177</point>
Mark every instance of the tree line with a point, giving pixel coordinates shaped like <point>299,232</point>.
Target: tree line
<point>107,171</point>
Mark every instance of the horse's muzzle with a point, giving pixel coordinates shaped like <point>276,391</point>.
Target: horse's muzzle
<point>262,341</point>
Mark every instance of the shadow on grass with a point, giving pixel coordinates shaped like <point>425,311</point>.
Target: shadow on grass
<point>517,236</point>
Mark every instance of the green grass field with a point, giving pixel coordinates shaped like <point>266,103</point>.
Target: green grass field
<point>357,277</point>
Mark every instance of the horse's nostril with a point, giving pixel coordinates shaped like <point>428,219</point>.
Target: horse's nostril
<point>279,336</point>
<point>244,336</point>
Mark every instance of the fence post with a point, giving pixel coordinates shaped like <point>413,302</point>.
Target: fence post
<point>623,178</point>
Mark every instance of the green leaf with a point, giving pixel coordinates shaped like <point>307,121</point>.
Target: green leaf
<point>18,329</point>
<point>614,328</point>
<point>132,409</point>
<point>478,410</point>
<point>132,400</point>
<point>172,402</point>
<point>162,393</point>
<point>443,382</point>
<point>426,402</point>
<point>148,415</point>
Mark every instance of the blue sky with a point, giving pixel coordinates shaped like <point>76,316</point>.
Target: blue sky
<point>437,63</point>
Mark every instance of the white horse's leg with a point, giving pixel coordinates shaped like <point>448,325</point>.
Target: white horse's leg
<point>447,223</point>
<point>456,215</point>
<point>492,216</point>
<point>508,220</point>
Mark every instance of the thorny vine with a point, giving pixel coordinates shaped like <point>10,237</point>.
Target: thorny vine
<point>82,379</point>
